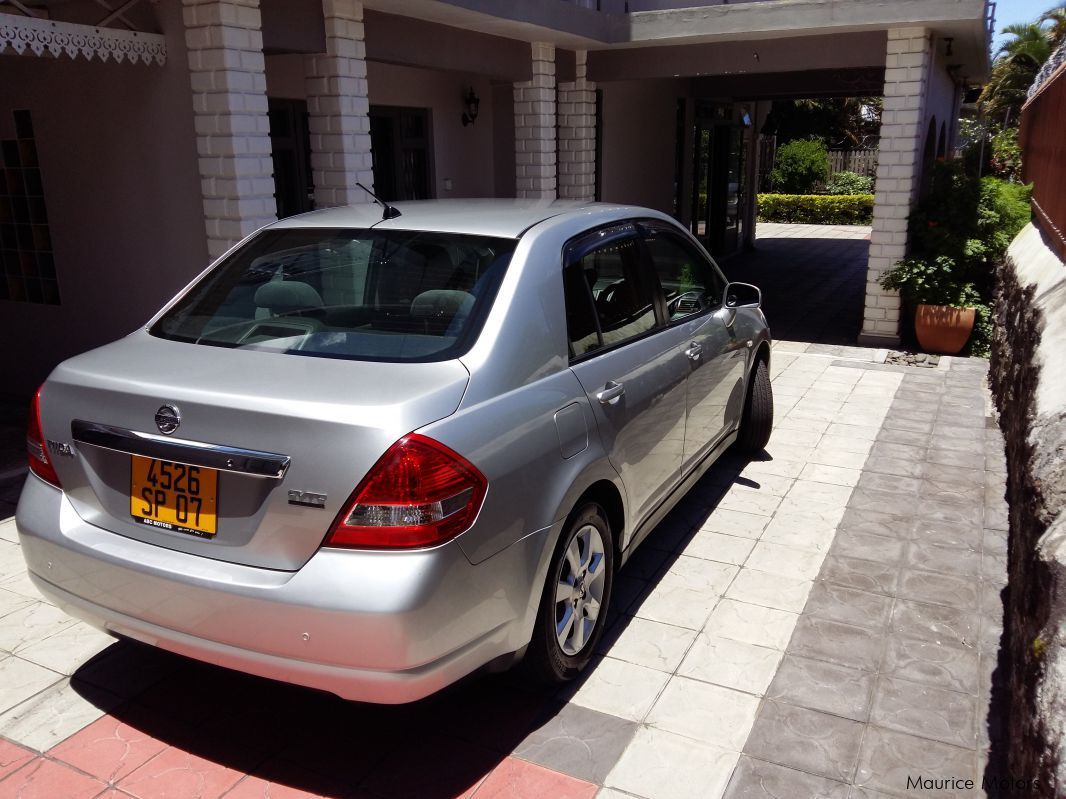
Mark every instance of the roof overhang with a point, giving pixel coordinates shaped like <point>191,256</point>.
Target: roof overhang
<point>33,36</point>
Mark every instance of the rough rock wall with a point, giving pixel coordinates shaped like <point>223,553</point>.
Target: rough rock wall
<point>1028,376</point>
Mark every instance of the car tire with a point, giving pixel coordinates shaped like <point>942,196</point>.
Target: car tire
<point>565,634</point>
<point>758,419</point>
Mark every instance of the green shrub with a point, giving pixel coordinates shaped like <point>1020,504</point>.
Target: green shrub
<point>849,183</point>
<point>1006,159</point>
<point>817,209</point>
<point>959,232</point>
<point>800,166</point>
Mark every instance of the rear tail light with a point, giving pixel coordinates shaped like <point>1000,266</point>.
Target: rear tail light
<point>418,494</point>
<point>36,448</point>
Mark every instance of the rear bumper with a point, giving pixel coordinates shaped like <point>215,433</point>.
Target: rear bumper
<point>369,626</point>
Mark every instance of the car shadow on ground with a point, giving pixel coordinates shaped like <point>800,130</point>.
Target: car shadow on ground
<point>315,742</point>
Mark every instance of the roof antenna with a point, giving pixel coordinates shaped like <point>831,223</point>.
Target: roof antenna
<point>390,212</point>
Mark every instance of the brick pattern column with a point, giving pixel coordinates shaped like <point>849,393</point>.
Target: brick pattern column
<point>577,134</point>
<point>899,166</point>
<point>534,123</point>
<point>339,109</point>
<point>225,45</point>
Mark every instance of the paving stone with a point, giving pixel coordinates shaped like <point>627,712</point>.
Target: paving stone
<point>950,457</point>
<point>580,742</point>
<point>719,547</point>
<point>934,623</point>
<point>864,575</point>
<point>946,534</point>
<point>704,712</point>
<point>909,437</point>
<point>751,624</point>
<point>804,739</point>
<point>675,604</point>
<point>889,503</point>
<point>618,688</point>
<point>648,643</point>
<point>938,589</point>
<point>47,718</point>
<point>873,522</point>
<point>818,685</point>
<point>733,664</point>
<point>798,564</point>
<point>949,560</point>
<point>800,532</point>
<point>848,605</point>
<point>770,590</point>
<point>879,548</point>
<point>936,511</point>
<point>902,467</point>
<point>926,711</point>
<point>898,421</point>
<point>46,778</point>
<point>705,576</point>
<point>757,779</point>
<point>887,759</point>
<point>660,765</point>
<point>889,482</point>
<point>738,523</point>
<point>31,624</point>
<point>20,679</point>
<point>836,642</point>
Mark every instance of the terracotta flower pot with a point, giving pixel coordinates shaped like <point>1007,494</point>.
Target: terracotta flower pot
<point>943,329</point>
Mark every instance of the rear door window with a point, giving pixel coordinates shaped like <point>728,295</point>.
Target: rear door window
<point>356,294</point>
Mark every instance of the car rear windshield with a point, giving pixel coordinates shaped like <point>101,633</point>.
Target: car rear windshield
<point>356,294</point>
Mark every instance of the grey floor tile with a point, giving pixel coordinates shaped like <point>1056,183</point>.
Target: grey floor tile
<point>939,589</point>
<point>864,575</point>
<point>890,503</point>
<point>905,452</point>
<point>818,685</point>
<point>951,457</point>
<point>887,759</point>
<point>843,644</point>
<point>934,623</point>
<point>580,742</point>
<point>806,740</point>
<point>994,542</point>
<point>871,522</point>
<point>757,779</point>
<point>905,421</point>
<point>849,605</point>
<point>932,663</point>
<point>946,534</point>
<point>879,548</point>
<point>909,437</point>
<point>903,467</point>
<point>949,560</point>
<point>925,711</point>
<point>994,568</point>
<point>890,482</point>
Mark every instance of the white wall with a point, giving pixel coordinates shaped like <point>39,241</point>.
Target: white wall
<point>639,132</point>
<point>117,153</point>
<point>941,97</point>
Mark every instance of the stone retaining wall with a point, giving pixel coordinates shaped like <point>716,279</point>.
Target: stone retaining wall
<point>1028,376</point>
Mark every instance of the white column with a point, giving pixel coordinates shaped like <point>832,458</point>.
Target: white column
<point>577,134</point>
<point>339,109</point>
<point>225,45</point>
<point>534,123</point>
<point>899,166</point>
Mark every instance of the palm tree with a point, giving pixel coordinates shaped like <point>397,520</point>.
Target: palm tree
<point>1017,63</point>
<point>1054,24</point>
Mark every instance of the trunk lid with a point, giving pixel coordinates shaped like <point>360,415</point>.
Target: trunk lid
<point>332,420</point>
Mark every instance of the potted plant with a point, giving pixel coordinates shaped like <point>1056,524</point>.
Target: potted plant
<point>945,306</point>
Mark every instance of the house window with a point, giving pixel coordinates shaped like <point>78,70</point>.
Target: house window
<point>27,268</point>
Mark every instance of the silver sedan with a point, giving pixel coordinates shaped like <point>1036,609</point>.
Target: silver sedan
<point>374,453</point>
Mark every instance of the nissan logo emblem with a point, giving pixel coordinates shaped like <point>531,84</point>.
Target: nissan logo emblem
<point>167,419</point>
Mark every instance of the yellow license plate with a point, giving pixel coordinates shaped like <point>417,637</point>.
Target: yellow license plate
<point>174,496</point>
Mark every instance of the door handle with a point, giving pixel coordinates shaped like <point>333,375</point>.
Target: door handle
<point>611,393</point>
<point>694,351</point>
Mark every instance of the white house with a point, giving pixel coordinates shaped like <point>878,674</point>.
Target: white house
<point>141,138</point>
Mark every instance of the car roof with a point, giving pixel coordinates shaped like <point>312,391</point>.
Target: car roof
<point>505,218</point>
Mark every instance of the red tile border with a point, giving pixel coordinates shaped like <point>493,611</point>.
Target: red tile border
<point>13,757</point>
<point>519,779</point>
<point>108,749</point>
<point>258,788</point>
<point>175,774</point>
<point>46,779</point>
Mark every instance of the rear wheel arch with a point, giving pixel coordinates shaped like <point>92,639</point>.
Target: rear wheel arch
<point>607,496</point>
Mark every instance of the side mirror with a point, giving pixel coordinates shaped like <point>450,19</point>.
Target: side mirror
<point>742,295</point>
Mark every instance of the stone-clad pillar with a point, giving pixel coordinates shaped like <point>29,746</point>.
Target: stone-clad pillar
<point>577,134</point>
<point>227,74</point>
<point>899,167</point>
<point>534,122</point>
<point>339,108</point>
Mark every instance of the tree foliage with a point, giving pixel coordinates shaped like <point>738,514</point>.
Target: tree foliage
<point>841,122</point>
<point>1017,63</point>
<point>800,167</point>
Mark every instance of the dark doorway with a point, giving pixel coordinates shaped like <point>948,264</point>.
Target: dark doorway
<point>290,146</point>
<point>401,141</point>
<point>718,180</point>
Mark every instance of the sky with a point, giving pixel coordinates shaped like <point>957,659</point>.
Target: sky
<point>1009,12</point>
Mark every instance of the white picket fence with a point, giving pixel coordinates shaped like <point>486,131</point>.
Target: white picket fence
<point>861,162</point>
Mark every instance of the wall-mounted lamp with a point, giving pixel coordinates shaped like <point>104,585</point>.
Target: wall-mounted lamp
<point>470,107</point>
<point>949,40</point>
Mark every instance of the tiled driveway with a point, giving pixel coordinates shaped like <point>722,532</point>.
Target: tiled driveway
<point>822,621</point>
